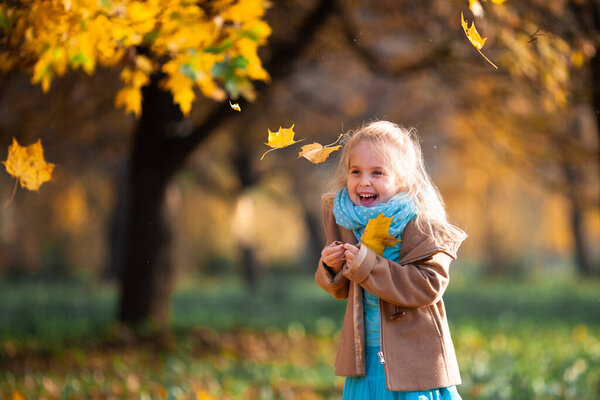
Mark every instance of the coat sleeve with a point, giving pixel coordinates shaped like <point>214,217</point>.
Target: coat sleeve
<point>417,283</point>
<point>335,284</point>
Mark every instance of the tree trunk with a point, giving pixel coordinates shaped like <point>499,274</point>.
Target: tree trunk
<point>147,272</point>
<point>158,152</point>
<point>576,219</point>
<point>595,72</point>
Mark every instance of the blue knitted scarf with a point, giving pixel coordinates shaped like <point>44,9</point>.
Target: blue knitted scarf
<point>355,218</point>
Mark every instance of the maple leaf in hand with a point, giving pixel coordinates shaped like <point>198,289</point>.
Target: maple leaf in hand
<point>476,40</point>
<point>376,235</point>
<point>280,139</point>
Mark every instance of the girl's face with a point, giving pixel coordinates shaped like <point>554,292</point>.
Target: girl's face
<point>370,180</point>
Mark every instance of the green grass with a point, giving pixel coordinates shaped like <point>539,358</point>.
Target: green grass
<point>514,340</point>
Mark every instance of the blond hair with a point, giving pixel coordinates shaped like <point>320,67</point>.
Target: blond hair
<point>401,151</point>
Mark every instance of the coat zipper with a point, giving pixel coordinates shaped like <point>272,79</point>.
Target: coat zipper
<point>380,354</point>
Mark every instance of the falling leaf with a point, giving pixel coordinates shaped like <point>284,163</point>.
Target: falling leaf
<point>498,1</point>
<point>476,8</point>
<point>235,106</point>
<point>474,37</point>
<point>317,153</point>
<point>27,164</point>
<point>282,138</point>
<point>376,235</point>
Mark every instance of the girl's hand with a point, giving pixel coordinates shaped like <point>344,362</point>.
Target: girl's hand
<point>333,255</point>
<point>351,252</point>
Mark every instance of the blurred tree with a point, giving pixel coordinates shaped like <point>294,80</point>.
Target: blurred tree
<point>550,52</point>
<point>168,49</point>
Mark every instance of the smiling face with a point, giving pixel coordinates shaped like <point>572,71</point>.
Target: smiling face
<point>370,180</point>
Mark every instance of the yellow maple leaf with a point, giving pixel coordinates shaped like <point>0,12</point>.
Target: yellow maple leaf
<point>498,1</point>
<point>376,235</point>
<point>317,153</point>
<point>280,139</point>
<point>27,164</point>
<point>476,40</point>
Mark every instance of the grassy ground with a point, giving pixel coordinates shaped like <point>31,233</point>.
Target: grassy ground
<point>514,340</point>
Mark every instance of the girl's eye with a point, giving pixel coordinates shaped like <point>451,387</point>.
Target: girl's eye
<point>378,173</point>
<point>354,171</point>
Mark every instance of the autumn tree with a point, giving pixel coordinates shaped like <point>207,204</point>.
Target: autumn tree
<point>166,51</point>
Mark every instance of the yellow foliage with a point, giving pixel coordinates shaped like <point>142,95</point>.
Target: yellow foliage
<point>376,235</point>
<point>27,164</point>
<point>52,36</point>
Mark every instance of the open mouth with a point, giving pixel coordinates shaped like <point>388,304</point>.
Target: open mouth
<point>367,199</point>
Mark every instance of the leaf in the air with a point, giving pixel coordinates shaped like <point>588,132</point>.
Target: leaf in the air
<point>27,164</point>
<point>376,235</point>
<point>317,153</point>
<point>498,1</point>
<point>476,40</point>
<point>282,138</point>
<point>476,8</point>
<point>235,106</point>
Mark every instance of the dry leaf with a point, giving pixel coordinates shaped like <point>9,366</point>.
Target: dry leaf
<point>27,164</point>
<point>235,106</point>
<point>376,235</point>
<point>317,153</point>
<point>282,138</point>
<point>476,40</point>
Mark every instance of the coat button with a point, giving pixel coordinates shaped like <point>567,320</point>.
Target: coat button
<point>397,315</point>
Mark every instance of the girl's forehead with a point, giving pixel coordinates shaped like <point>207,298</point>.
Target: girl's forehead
<point>364,152</point>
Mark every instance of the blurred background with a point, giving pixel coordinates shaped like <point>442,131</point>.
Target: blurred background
<point>225,258</point>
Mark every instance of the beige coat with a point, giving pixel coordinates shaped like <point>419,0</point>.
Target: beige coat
<point>417,348</point>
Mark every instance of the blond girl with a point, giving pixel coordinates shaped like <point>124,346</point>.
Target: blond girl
<point>395,342</point>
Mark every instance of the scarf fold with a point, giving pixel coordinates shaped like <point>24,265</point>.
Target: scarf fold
<point>355,218</point>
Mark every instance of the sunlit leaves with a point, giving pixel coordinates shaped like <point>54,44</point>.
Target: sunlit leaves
<point>282,138</point>
<point>476,40</point>
<point>376,235</point>
<point>27,164</point>
<point>209,46</point>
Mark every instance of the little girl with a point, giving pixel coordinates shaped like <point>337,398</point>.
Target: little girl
<point>395,342</point>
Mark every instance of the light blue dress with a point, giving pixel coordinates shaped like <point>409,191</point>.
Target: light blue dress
<point>372,386</point>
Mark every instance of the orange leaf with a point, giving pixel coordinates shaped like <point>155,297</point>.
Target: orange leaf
<point>376,235</point>
<point>27,164</point>
<point>317,153</point>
